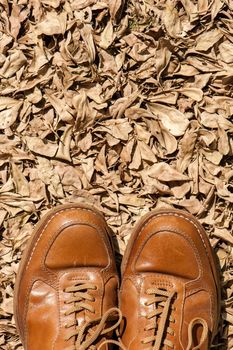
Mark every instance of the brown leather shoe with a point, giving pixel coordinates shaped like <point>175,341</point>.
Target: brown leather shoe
<point>67,282</point>
<point>169,295</point>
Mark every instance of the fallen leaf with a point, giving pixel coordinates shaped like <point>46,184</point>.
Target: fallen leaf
<point>172,119</point>
<point>9,111</point>
<point>164,173</point>
<point>206,40</point>
<point>107,36</point>
<point>171,19</point>
<point>12,64</point>
<point>53,24</point>
<point>41,147</point>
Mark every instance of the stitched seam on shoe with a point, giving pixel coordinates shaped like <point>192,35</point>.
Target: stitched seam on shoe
<point>52,217</point>
<point>180,216</point>
<point>162,283</point>
<point>58,328</point>
<point>138,289</point>
<point>54,237</point>
<point>47,270</point>
<point>30,287</point>
<point>190,240</point>
<point>157,279</point>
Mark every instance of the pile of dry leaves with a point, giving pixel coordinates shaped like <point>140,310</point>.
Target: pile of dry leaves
<point>126,105</point>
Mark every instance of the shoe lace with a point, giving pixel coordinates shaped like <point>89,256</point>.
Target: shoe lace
<point>88,332</point>
<point>162,314</point>
<point>204,336</point>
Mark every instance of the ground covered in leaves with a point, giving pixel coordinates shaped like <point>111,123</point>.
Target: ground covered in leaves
<point>127,106</point>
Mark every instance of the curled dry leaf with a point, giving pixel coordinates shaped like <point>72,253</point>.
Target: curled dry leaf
<point>214,120</point>
<point>194,93</point>
<point>107,36</point>
<point>171,19</point>
<point>12,64</point>
<point>164,173</point>
<point>86,33</point>
<point>115,6</point>
<point>21,184</point>
<point>53,24</point>
<point>206,40</point>
<point>41,147</point>
<point>9,111</point>
<point>187,146</point>
<point>172,119</point>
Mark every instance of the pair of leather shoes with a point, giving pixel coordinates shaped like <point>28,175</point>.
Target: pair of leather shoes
<point>66,294</point>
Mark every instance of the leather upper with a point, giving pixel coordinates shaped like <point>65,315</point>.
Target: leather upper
<point>71,245</point>
<point>168,252</point>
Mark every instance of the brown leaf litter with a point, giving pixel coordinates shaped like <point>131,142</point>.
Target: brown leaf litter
<point>126,105</point>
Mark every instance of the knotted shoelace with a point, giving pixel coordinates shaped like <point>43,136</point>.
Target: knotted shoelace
<point>87,333</point>
<point>85,336</point>
<point>162,318</point>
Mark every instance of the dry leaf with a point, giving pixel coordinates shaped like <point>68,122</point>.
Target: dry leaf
<point>164,172</point>
<point>53,24</point>
<point>107,36</point>
<point>12,64</point>
<point>171,19</point>
<point>206,40</point>
<point>225,50</point>
<point>172,119</point>
<point>21,184</point>
<point>213,120</point>
<point>115,6</point>
<point>41,147</point>
<point>9,111</point>
<point>187,146</point>
<point>194,93</point>
<point>64,145</point>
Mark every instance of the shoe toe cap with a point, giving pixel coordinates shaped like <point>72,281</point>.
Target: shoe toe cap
<point>78,245</point>
<point>171,244</point>
<point>168,253</point>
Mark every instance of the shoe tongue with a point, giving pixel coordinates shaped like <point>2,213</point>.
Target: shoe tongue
<point>74,278</point>
<point>186,306</point>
